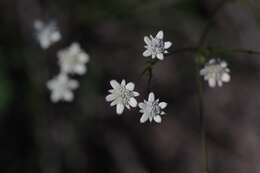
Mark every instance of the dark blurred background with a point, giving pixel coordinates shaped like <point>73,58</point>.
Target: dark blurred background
<point>87,135</point>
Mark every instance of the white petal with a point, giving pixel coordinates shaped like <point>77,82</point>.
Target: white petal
<point>68,96</point>
<point>223,64</point>
<point>158,119</point>
<point>212,61</point>
<point>114,84</point>
<point>136,93</point>
<point>80,69</point>
<point>141,105</point>
<point>202,72</point>
<point>159,35</point>
<point>111,90</point>
<point>212,82</point>
<point>220,84</point>
<point>147,53</point>
<point>130,86</point>
<point>163,105</point>
<point>114,102</point>
<point>147,40</point>
<point>144,118</point>
<point>162,113</point>
<point>160,56</point>
<point>151,97</point>
<point>225,77</point>
<point>167,45</point>
<point>56,36</point>
<point>110,97</point>
<point>119,108</point>
<point>73,84</point>
<point>123,82</point>
<point>133,102</point>
<point>55,97</point>
<point>83,57</point>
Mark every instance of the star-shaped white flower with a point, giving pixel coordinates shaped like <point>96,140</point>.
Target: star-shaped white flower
<point>73,59</point>
<point>152,109</point>
<point>216,72</point>
<point>122,95</point>
<point>61,88</point>
<point>46,34</point>
<point>155,46</point>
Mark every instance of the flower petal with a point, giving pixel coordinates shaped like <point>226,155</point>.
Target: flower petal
<point>141,105</point>
<point>110,97</point>
<point>159,35</point>
<point>123,82</point>
<point>220,84</point>
<point>147,53</point>
<point>162,113</point>
<point>68,96</point>
<point>167,45</point>
<point>160,56</point>
<point>225,77</point>
<point>133,102</point>
<point>119,108</point>
<point>136,93</point>
<point>130,86</point>
<point>144,118</point>
<point>163,105</point>
<point>223,64</point>
<point>151,97</point>
<point>158,119</point>
<point>147,40</point>
<point>212,82</point>
<point>114,84</point>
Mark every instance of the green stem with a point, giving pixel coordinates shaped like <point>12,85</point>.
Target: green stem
<point>202,120</point>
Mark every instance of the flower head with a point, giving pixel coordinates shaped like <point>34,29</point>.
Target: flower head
<point>46,34</point>
<point>122,95</point>
<point>73,59</point>
<point>61,88</point>
<point>155,46</point>
<point>152,109</point>
<point>216,72</point>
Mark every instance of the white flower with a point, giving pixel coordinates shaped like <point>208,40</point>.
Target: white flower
<point>122,95</point>
<point>61,88</point>
<point>216,72</point>
<point>152,109</point>
<point>73,59</point>
<point>46,34</point>
<point>155,46</point>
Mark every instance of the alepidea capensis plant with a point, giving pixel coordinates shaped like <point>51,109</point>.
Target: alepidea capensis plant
<point>122,94</point>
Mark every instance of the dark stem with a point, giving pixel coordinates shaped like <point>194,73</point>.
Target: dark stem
<point>202,121</point>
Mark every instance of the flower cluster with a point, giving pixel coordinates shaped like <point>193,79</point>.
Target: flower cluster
<point>122,95</point>
<point>72,60</point>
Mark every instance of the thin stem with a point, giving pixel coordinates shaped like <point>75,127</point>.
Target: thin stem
<point>150,75</point>
<point>202,121</point>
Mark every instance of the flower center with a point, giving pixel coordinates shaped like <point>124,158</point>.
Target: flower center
<point>153,108</point>
<point>157,45</point>
<point>125,94</point>
<point>215,70</point>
